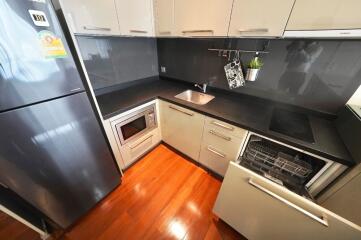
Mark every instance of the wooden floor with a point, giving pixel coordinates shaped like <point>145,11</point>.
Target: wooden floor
<point>11,229</point>
<point>163,196</point>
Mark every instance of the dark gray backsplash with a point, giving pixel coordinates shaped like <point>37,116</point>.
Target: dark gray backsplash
<point>320,75</point>
<point>111,61</point>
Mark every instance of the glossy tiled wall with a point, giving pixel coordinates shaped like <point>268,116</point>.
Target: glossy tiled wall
<point>112,61</point>
<point>316,74</point>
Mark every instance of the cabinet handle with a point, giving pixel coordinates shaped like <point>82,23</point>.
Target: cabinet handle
<point>220,135</point>
<point>222,125</point>
<point>197,31</point>
<point>96,28</point>
<point>164,32</point>
<point>138,31</point>
<point>209,148</point>
<point>321,219</point>
<point>179,110</point>
<point>145,139</point>
<point>263,30</point>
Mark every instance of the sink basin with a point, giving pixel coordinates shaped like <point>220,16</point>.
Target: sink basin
<point>195,97</point>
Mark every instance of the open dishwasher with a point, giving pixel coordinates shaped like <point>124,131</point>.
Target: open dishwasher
<point>303,173</point>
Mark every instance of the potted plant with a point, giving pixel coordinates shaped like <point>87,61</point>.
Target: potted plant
<point>253,69</point>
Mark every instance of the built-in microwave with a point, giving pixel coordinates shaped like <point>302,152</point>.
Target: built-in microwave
<point>136,124</point>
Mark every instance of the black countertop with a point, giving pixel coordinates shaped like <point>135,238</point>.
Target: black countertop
<point>243,111</point>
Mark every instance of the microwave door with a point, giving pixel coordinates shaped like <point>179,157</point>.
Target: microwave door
<point>131,128</point>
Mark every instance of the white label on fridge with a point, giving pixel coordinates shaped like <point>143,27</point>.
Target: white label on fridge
<point>39,18</point>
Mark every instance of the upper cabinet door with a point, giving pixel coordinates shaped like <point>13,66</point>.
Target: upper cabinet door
<point>135,17</point>
<point>164,17</point>
<point>202,17</point>
<point>325,15</point>
<point>259,18</point>
<point>91,16</point>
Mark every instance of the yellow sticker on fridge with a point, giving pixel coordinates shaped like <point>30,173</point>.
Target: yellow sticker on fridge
<point>51,45</point>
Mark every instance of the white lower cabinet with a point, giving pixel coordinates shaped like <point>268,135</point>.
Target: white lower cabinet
<point>221,144</point>
<point>181,128</point>
<point>128,153</point>
<point>135,149</point>
<point>260,209</point>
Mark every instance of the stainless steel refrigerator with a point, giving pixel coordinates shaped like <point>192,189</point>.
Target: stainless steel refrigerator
<point>53,152</point>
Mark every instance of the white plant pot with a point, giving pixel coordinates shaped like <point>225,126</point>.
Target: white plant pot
<point>252,74</point>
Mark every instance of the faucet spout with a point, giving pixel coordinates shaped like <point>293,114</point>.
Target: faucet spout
<point>202,87</point>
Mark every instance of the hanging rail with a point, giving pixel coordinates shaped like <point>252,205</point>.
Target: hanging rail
<point>221,50</point>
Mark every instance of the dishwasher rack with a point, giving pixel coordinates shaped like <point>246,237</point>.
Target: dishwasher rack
<point>259,153</point>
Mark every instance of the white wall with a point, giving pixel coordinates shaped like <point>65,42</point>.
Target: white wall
<point>356,98</point>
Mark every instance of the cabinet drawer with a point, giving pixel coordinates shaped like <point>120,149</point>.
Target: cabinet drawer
<point>135,149</point>
<point>215,158</point>
<point>227,143</point>
<point>225,128</point>
<point>260,209</point>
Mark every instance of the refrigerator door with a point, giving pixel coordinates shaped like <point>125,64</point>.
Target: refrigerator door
<point>55,156</point>
<point>35,61</point>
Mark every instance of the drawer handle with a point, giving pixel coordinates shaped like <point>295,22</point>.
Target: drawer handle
<point>220,135</point>
<point>187,113</point>
<point>132,147</point>
<point>321,219</point>
<point>138,31</point>
<point>263,30</point>
<point>197,31</point>
<point>209,148</point>
<point>222,125</point>
<point>96,28</point>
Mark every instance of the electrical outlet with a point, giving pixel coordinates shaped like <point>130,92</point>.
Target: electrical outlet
<point>163,69</point>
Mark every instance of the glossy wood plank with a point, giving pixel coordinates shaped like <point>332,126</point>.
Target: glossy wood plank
<point>163,196</point>
<point>11,229</point>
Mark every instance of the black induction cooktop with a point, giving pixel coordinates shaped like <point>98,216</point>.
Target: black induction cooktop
<point>292,124</point>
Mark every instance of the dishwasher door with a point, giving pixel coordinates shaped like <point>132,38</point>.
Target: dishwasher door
<point>261,209</point>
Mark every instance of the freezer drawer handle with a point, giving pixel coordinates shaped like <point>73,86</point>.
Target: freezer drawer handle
<point>321,220</point>
<point>209,148</point>
<point>145,139</point>
<point>223,126</point>
<point>187,113</point>
<point>220,135</point>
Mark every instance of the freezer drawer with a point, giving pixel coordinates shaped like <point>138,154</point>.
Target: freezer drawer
<point>261,209</point>
<point>55,156</point>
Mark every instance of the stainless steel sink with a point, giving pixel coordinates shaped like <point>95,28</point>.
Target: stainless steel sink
<point>195,97</point>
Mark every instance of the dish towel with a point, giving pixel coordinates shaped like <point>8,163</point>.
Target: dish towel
<point>234,73</point>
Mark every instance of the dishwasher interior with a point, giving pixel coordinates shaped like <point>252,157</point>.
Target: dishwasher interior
<point>281,164</point>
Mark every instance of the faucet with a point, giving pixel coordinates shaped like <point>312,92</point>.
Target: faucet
<point>202,87</point>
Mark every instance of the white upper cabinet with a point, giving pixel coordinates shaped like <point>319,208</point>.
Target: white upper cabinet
<point>259,18</point>
<point>91,16</point>
<point>202,17</point>
<point>135,17</point>
<point>325,15</point>
<point>164,17</point>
